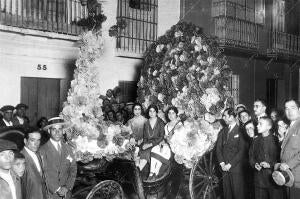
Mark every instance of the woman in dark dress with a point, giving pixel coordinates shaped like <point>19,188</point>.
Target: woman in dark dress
<point>153,134</point>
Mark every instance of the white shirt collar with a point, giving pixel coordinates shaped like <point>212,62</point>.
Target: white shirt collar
<point>55,143</point>
<point>34,158</point>
<point>7,123</point>
<point>21,120</point>
<point>8,178</point>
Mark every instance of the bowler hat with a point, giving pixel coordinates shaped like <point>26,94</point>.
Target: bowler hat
<point>21,105</point>
<point>7,145</point>
<point>7,108</point>
<point>283,177</point>
<point>55,121</point>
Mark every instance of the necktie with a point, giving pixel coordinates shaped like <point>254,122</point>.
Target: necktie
<point>59,148</point>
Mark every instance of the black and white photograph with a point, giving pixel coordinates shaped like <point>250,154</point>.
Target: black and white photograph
<point>150,99</point>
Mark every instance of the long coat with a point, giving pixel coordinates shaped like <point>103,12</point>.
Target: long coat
<point>33,182</point>
<point>60,169</point>
<point>5,192</point>
<point>232,149</point>
<point>290,151</point>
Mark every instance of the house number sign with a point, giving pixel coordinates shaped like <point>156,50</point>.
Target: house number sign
<point>41,67</point>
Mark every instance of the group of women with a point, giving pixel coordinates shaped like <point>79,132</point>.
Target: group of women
<point>153,135</point>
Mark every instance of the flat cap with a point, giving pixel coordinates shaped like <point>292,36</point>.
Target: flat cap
<point>7,108</point>
<point>7,145</point>
<point>21,105</point>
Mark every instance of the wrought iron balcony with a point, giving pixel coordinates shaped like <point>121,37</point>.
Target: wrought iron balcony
<point>45,15</point>
<point>283,44</point>
<point>237,33</point>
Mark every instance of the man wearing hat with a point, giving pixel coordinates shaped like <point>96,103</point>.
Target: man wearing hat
<point>20,117</point>
<point>7,111</point>
<point>58,161</point>
<point>10,184</point>
<point>290,148</point>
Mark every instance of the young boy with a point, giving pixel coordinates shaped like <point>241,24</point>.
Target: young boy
<point>10,186</point>
<point>263,154</point>
<point>19,164</point>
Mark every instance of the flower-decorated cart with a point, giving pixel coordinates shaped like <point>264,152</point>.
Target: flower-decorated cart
<point>186,69</point>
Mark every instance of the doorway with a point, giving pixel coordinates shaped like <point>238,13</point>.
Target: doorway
<point>44,96</point>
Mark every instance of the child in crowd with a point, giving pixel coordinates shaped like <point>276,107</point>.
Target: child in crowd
<point>263,154</point>
<point>18,165</point>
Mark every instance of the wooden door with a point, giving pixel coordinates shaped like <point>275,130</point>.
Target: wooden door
<point>44,96</point>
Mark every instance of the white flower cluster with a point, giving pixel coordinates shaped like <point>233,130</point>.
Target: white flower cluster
<point>211,97</point>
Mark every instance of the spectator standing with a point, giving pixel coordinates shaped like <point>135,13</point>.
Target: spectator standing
<point>260,108</point>
<point>231,156</point>
<point>58,161</point>
<point>20,118</point>
<point>282,127</point>
<point>19,164</point>
<point>33,181</point>
<point>41,123</point>
<point>290,148</point>
<point>7,111</point>
<point>10,183</point>
<point>263,154</point>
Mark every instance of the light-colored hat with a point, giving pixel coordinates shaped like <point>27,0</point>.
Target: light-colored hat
<point>55,121</point>
<point>283,177</point>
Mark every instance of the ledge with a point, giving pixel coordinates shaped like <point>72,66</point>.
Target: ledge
<point>39,33</point>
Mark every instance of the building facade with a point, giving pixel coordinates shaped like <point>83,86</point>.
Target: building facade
<point>261,41</point>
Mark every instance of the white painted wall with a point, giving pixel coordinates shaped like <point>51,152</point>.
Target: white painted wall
<point>20,54</point>
<point>22,50</point>
<point>113,68</point>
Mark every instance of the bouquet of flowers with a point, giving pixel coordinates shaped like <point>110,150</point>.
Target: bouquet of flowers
<point>186,69</point>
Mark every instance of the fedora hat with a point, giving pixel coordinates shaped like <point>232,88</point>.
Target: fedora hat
<point>54,122</point>
<point>21,105</point>
<point>283,177</point>
<point>7,108</point>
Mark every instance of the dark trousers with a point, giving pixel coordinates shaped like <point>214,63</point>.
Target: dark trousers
<point>268,193</point>
<point>233,185</point>
<point>293,193</point>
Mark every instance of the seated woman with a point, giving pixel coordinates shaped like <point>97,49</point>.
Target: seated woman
<point>153,134</point>
<point>161,154</point>
<point>137,122</point>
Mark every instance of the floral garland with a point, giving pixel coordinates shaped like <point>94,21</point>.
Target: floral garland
<point>91,136</point>
<point>186,69</point>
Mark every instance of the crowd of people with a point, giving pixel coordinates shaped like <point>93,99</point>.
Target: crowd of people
<point>258,153</point>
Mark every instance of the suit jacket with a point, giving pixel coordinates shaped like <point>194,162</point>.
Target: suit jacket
<point>5,192</point>
<point>33,182</point>
<point>16,122</point>
<point>2,123</point>
<point>290,151</point>
<point>264,149</point>
<point>231,148</point>
<point>60,170</point>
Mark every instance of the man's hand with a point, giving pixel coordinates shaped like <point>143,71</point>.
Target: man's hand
<point>62,191</point>
<point>257,167</point>
<point>146,146</point>
<point>284,166</point>
<point>265,165</point>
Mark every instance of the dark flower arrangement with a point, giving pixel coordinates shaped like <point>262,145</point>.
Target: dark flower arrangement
<point>92,22</point>
<point>186,69</point>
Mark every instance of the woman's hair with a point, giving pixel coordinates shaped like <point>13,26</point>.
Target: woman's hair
<point>150,107</point>
<point>137,104</point>
<point>284,119</point>
<point>173,108</point>
<point>18,155</point>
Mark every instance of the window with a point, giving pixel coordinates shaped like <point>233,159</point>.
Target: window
<point>260,11</point>
<point>234,88</point>
<point>140,29</point>
<point>279,15</point>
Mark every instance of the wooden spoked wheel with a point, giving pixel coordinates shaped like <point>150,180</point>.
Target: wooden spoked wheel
<point>107,189</point>
<point>204,183</point>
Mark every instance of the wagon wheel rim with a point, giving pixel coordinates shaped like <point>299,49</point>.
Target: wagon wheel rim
<point>104,188</point>
<point>203,181</point>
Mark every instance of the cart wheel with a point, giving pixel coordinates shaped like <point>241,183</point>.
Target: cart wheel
<point>203,181</point>
<point>106,190</point>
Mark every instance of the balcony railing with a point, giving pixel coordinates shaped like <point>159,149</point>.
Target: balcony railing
<point>284,44</point>
<point>46,15</point>
<point>237,33</point>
